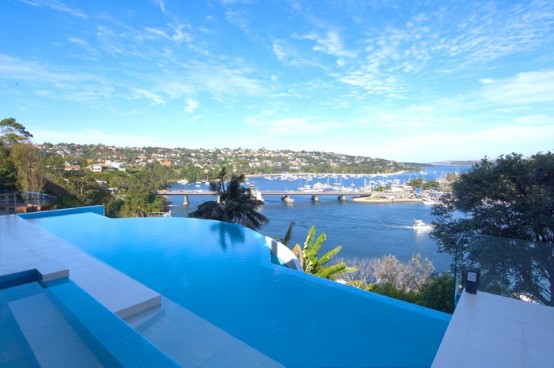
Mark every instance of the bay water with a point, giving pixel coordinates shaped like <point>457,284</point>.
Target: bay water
<point>365,230</point>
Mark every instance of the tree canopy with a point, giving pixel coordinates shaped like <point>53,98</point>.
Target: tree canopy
<point>236,203</point>
<point>13,132</point>
<point>511,198</point>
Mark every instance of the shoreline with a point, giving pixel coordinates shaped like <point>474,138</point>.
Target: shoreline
<point>327,174</point>
<point>386,200</point>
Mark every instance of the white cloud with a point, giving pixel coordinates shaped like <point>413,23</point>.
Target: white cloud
<point>292,126</point>
<point>524,88</point>
<point>176,34</point>
<point>160,4</point>
<point>330,43</point>
<point>142,93</point>
<point>279,50</point>
<point>56,5</point>
<point>191,105</point>
<point>225,81</point>
<point>78,41</point>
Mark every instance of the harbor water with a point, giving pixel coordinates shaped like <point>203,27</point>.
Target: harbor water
<point>365,230</point>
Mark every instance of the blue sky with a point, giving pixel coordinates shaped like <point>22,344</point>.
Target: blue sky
<point>401,80</point>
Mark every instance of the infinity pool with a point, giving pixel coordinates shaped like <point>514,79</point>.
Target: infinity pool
<point>222,273</point>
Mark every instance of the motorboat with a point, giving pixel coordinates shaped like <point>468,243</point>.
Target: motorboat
<point>420,225</point>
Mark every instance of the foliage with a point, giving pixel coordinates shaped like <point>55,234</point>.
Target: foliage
<point>29,163</point>
<point>236,203</point>
<point>392,291</point>
<point>437,294</point>
<point>512,197</point>
<point>431,185</point>
<point>8,178</point>
<point>139,204</point>
<point>407,277</point>
<point>416,183</point>
<point>12,132</point>
<point>286,240</point>
<point>413,281</point>
<point>312,264</point>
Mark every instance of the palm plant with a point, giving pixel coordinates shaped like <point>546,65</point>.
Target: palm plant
<point>312,264</point>
<point>235,203</point>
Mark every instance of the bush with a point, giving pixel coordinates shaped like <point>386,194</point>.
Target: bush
<point>439,293</point>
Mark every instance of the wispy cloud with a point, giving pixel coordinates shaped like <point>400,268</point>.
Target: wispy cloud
<point>160,4</point>
<point>524,88</point>
<point>177,33</point>
<point>191,105</point>
<point>330,43</point>
<point>291,126</point>
<point>56,5</point>
<point>36,74</point>
<point>154,98</point>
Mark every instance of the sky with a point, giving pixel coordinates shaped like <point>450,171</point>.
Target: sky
<point>417,81</point>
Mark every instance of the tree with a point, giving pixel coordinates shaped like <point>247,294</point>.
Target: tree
<point>433,184</point>
<point>8,178</point>
<point>416,183</point>
<point>315,265</point>
<point>406,277</point>
<point>236,203</point>
<point>31,171</point>
<point>513,198</point>
<point>12,132</point>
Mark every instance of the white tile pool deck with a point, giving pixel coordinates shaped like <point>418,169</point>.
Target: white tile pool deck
<point>24,246</point>
<point>491,331</point>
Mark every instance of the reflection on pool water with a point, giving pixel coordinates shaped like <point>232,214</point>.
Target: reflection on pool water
<point>222,273</point>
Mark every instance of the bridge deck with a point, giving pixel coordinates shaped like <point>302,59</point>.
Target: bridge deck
<point>265,193</point>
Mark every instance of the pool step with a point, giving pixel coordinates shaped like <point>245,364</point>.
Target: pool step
<point>192,341</point>
<point>110,335</point>
<point>52,340</point>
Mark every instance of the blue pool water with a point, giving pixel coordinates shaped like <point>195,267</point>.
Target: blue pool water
<point>222,272</point>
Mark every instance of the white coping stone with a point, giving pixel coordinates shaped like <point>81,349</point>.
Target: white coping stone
<point>283,253</point>
<point>25,246</point>
<point>488,330</point>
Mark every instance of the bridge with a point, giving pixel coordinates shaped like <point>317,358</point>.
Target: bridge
<point>260,194</point>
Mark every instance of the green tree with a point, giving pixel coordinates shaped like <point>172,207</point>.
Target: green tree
<point>431,185</point>
<point>319,266</point>
<point>439,293</point>
<point>8,177</point>
<point>236,203</point>
<point>512,197</point>
<point>416,183</point>
<point>31,171</point>
<point>12,132</point>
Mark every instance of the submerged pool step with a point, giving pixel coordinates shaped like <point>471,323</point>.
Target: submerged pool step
<point>109,333</point>
<point>52,340</point>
